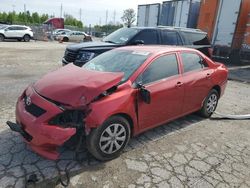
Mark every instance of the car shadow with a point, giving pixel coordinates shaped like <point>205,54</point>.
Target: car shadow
<point>19,164</point>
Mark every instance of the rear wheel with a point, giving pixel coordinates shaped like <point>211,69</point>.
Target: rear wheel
<point>26,38</point>
<point>1,38</point>
<point>65,39</point>
<point>209,104</point>
<point>107,141</point>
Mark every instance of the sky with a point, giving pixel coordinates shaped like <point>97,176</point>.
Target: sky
<point>93,11</point>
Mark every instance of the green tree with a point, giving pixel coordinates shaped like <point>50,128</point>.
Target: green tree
<point>70,20</point>
<point>128,17</point>
<point>35,17</point>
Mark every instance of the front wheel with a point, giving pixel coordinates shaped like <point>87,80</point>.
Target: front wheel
<point>107,141</point>
<point>209,104</point>
<point>1,38</point>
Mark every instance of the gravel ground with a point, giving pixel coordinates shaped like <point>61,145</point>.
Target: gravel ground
<point>188,152</point>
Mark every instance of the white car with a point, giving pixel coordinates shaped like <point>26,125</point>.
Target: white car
<point>59,32</point>
<point>75,36</point>
<point>18,32</point>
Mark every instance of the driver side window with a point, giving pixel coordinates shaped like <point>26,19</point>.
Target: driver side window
<point>147,36</point>
<point>161,68</point>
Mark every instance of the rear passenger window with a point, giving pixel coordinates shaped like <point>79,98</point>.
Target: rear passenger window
<point>170,38</point>
<point>148,36</point>
<point>20,28</point>
<point>163,67</point>
<point>192,62</point>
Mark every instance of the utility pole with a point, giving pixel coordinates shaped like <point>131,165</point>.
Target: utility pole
<point>24,11</point>
<point>61,9</point>
<point>107,14</point>
<point>100,21</point>
<point>13,6</point>
<point>80,14</point>
<point>24,8</point>
<point>114,17</point>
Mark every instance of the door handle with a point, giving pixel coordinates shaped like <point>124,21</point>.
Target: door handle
<point>179,84</point>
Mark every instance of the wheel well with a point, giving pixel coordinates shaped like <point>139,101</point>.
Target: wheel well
<point>2,34</point>
<point>26,34</point>
<point>218,89</point>
<point>129,119</point>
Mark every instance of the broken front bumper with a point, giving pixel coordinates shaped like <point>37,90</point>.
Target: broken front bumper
<point>43,138</point>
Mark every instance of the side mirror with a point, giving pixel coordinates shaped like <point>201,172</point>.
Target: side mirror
<point>138,42</point>
<point>6,29</point>
<point>144,93</point>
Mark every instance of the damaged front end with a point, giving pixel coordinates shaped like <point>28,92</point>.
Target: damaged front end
<point>52,111</point>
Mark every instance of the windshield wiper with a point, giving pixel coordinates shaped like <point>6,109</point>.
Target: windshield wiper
<point>109,41</point>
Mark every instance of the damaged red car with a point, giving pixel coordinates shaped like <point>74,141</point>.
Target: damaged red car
<point>116,95</point>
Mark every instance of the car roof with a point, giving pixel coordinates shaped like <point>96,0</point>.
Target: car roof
<point>172,28</point>
<point>157,49</point>
<point>18,26</point>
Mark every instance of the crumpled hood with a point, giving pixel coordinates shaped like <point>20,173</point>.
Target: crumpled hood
<point>75,86</point>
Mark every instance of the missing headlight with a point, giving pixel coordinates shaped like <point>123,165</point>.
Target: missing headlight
<point>69,118</point>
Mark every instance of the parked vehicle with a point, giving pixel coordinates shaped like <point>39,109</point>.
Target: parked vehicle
<point>226,30</point>
<point>118,94</point>
<point>81,53</point>
<point>148,15</point>
<point>178,13</point>
<point>75,36</point>
<point>58,32</point>
<point>18,32</point>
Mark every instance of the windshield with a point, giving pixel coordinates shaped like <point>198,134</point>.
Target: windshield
<point>121,36</point>
<point>118,61</point>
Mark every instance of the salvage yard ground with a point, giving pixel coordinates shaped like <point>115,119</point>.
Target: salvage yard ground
<point>188,152</point>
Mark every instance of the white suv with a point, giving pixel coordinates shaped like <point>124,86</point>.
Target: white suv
<point>18,32</point>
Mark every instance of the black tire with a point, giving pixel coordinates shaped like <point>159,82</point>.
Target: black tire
<point>101,149</point>
<point>1,38</point>
<point>65,39</point>
<point>209,104</point>
<point>26,38</point>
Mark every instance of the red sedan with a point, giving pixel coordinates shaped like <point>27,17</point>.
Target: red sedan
<point>118,94</point>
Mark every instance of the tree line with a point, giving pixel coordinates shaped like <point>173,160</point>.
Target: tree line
<point>34,18</point>
<point>23,18</point>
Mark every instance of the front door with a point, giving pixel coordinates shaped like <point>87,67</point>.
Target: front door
<point>162,79</point>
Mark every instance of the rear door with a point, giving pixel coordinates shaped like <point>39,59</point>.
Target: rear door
<point>20,31</point>
<point>163,80</point>
<point>196,79</point>
<point>73,36</point>
<point>170,38</point>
